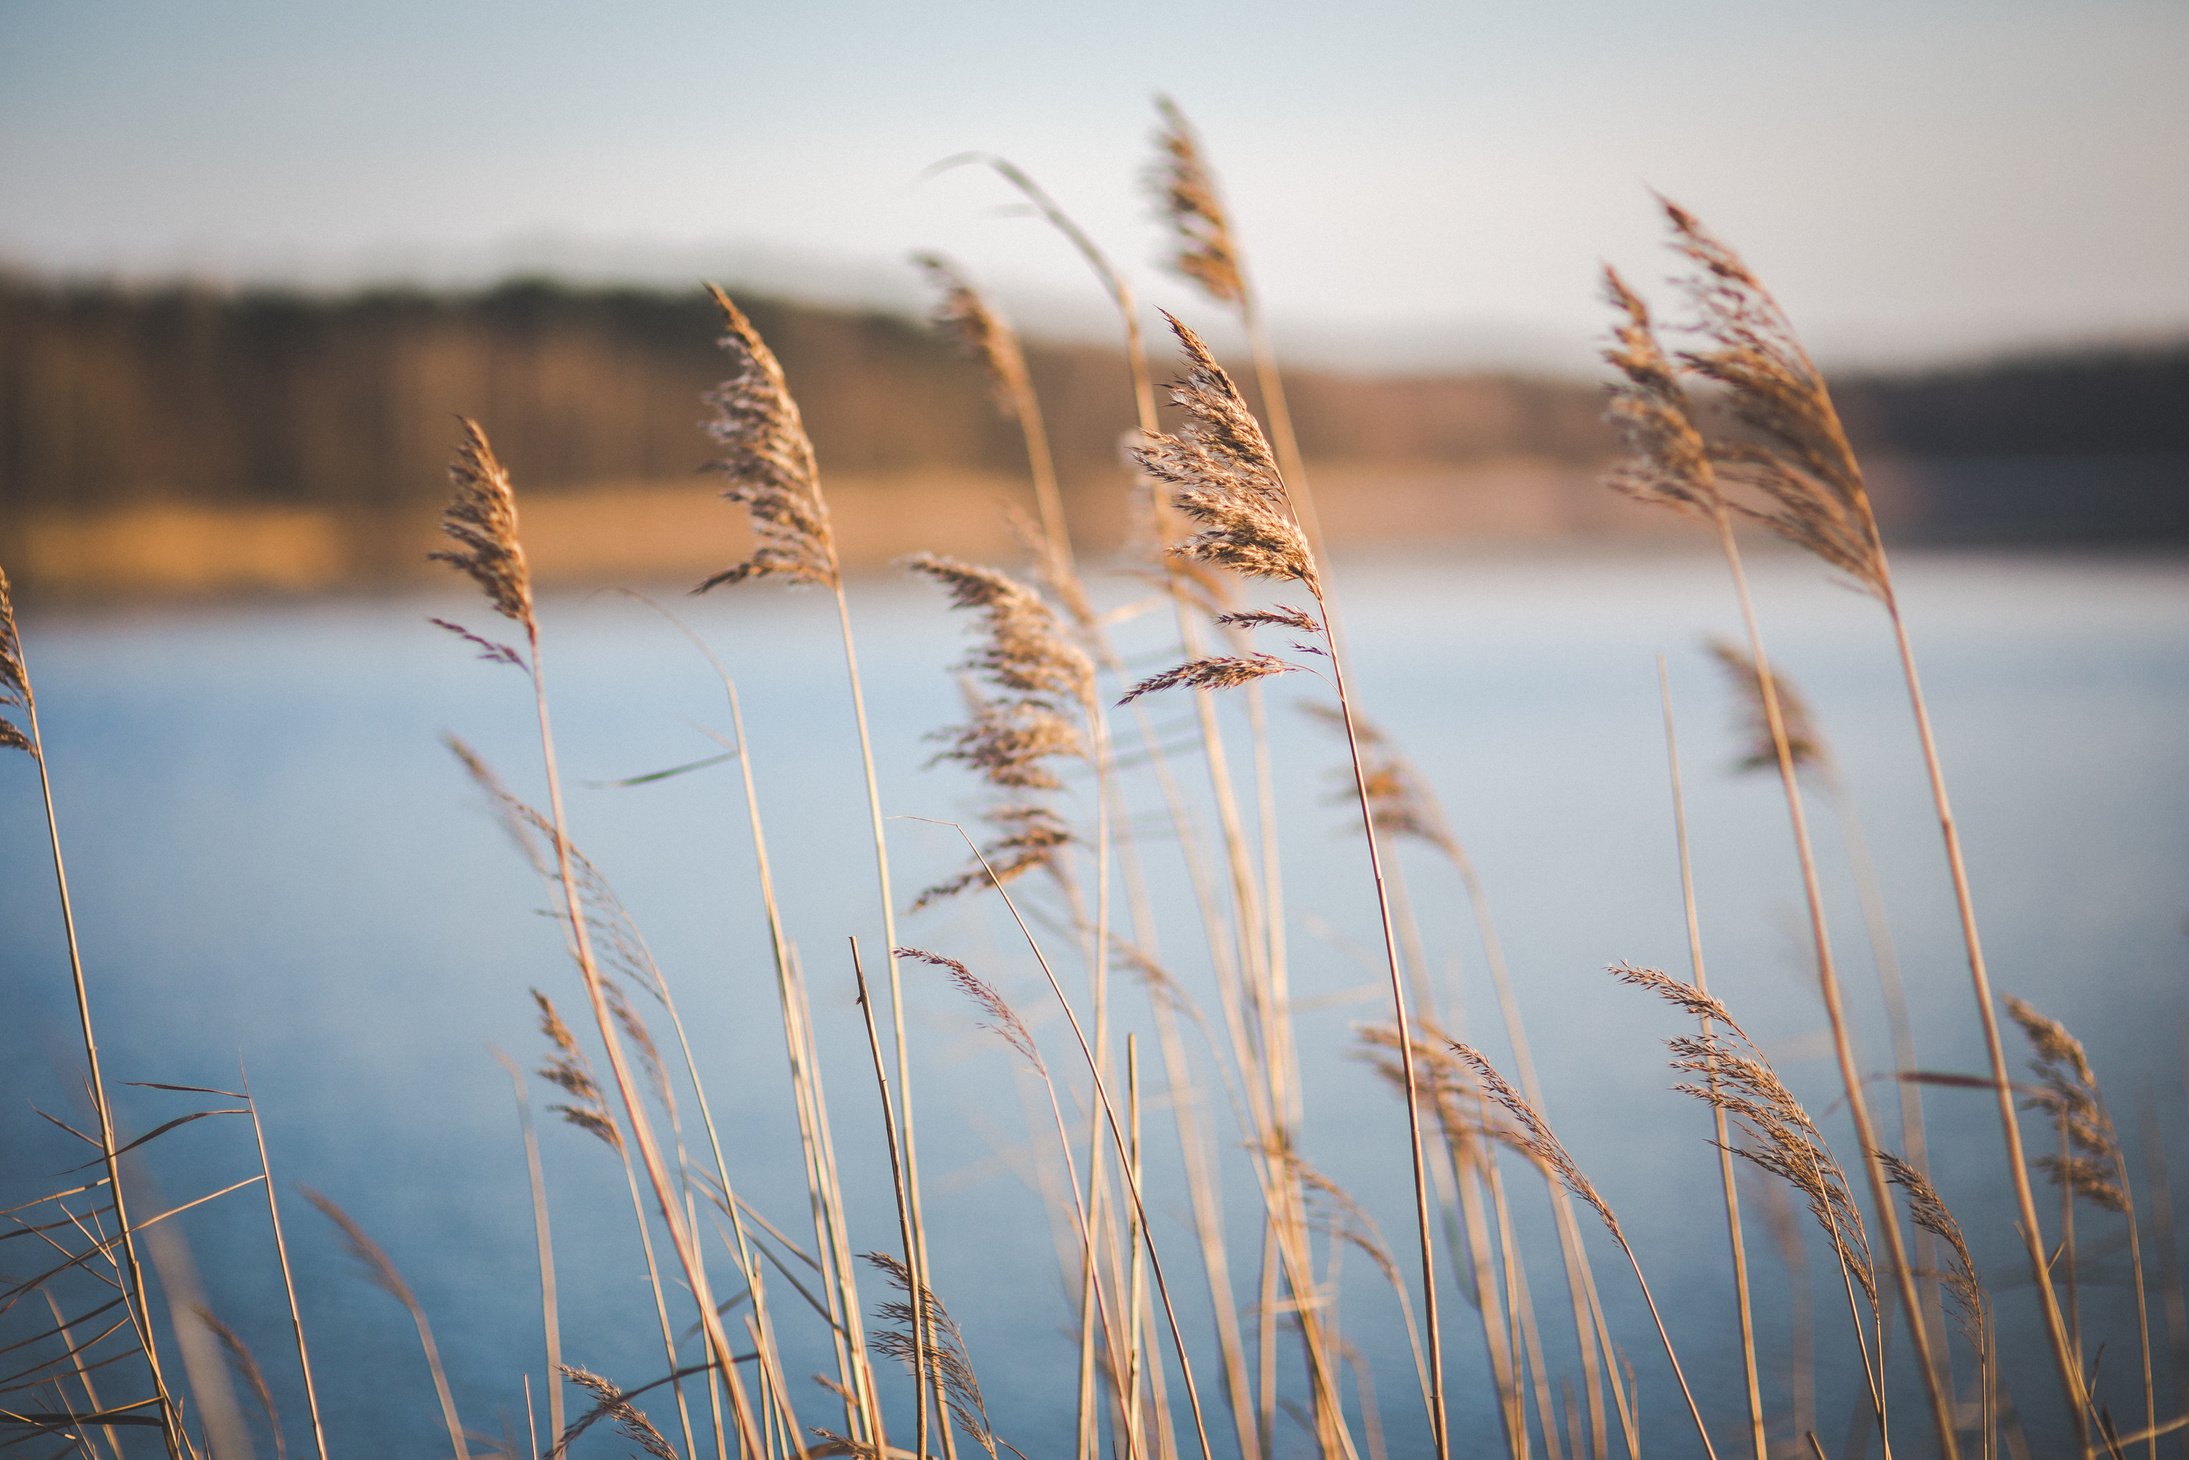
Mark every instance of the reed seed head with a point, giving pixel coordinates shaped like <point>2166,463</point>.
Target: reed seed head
<point>1221,672</point>
<point>14,678</point>
<point>1027,652</point>
<point>967,319</point>
<point>1929,1212</point>
<point>1804,742</point>
<point>1225,476</point>
<point>611,1403</point>
<point>1667,462</point>
<point>568,1071</point>
<point>948,1364</point>
<point>1185,193</point>
<point>1030,837</point>
<point>1004,1020</point>
<point>481,519</point>
<point>1680,995</point>
<point>1531,1135</point>
<point>1800,460</point>
<point>769,460</point>
<point>2092,1166</point>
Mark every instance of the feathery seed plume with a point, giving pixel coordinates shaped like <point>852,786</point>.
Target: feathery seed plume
<point>1397,800</point>
<point>2092,1167</point>
<point>1006,1023</point>
<point>482,521</point>
<point>568,1070</point>
<point>769,460</point>
<point>965,317</point>
<point>1928,1210</point>
<point>1804,742</point>
<point>1531,1135</point>
<point>1225,476</point>
<point>1185,191</point>
<point>1221,672</point>
<point>1031,837</point>
<point>14,678</point>
<point>1801,461</point>
<point>610,1402</point>
<point>947,1361</point>
<point>1667,461</point>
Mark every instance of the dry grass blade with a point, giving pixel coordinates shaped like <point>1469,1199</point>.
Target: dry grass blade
<point>14,679</point>
<point>769,460</point>
<point>1668,463</point>
<point>1801,460</point>
<point>950,1369</point>
<point>1217,672</point>
<point>610,1402</point>
<point>2092,1167</point>
<point>1185,190</point>
<point>1225,476</point>
<point>966,318</point>
<point>1804,742</point>
<point>482,521</point>
<point>385,1277</point>
<point>1006,1020</point>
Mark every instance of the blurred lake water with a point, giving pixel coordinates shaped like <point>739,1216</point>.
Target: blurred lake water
<point>277,863</point>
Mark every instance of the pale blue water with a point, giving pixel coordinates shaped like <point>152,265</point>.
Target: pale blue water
<point>274,860</point>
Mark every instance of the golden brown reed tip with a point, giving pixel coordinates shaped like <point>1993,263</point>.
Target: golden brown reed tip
<point>769,460</point>
<point>1224,475</point>
<point>1531,1135</point>
<point>2092,1166</point>
<point>967,319</point>
<point>1217,672</point>
<point>482,521</point>
<point>948,1364</point>
<point>1185,192</point>
<point>1027,652</point>
<point>1804,742</point>
<point>567,1070</point>
<point>611,1403</point>
<point>1006,1022</point>
<point>1667,461</point>
<point>14,678</point>
<point>1928,1210</point>
<point>1799,458</point>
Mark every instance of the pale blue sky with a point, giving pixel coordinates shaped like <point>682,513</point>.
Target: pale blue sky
<point>1412,181</point>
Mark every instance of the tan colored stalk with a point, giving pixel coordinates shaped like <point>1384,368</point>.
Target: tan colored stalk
<point>15,674</point>
<point>1719,1135</point>
<point>914,1290</point>
<point>550,1312</point>
<point>288,1281</point>
<point>1117,1142</point>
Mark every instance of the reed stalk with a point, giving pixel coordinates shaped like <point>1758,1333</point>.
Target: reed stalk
<point>1737,1246</point>
<point>16,692</point>
<point>288,1279</point>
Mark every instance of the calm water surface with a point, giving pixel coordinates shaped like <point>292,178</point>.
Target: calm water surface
<point>276,862</point>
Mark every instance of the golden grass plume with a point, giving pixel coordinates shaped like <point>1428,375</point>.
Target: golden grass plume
<point>769,460</point>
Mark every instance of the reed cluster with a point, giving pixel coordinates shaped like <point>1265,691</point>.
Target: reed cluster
<point>1199,1331</point>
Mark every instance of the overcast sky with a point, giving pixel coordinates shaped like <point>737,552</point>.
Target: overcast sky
<point>1412,182</point>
